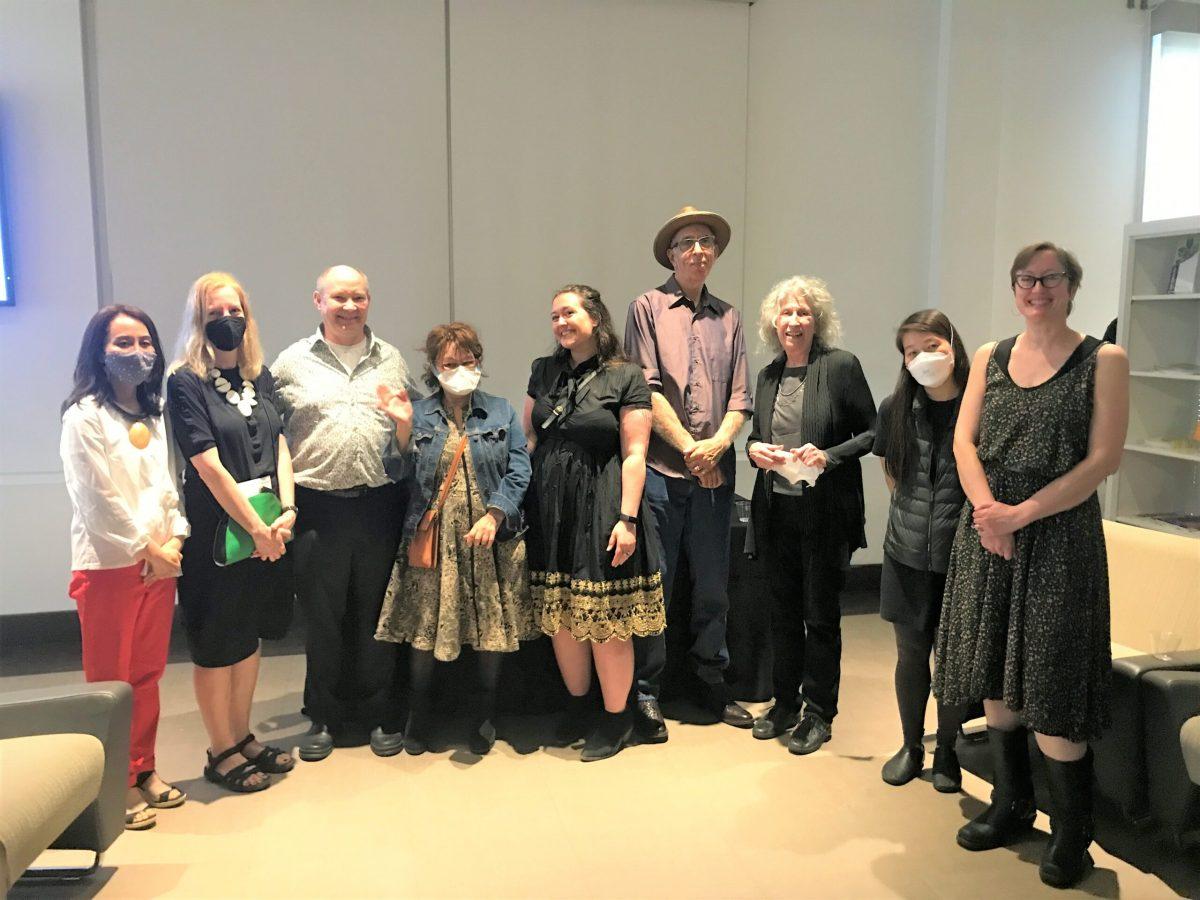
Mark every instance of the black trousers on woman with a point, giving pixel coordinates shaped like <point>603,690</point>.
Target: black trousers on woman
<point>807,573</point>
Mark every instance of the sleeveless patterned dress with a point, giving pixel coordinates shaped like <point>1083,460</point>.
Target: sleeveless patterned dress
<point>1034,630</point>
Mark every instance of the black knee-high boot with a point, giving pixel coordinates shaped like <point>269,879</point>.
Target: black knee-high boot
<point>1012,809</point>
<point>1066,858</point>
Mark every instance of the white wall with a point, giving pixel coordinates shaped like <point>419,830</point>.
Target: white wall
<point>43,136</point>
<point>901,150</point>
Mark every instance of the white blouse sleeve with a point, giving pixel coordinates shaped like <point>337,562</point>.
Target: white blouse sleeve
<point>85,466</point>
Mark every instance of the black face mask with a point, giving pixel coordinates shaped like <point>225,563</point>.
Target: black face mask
<point>226,333</point>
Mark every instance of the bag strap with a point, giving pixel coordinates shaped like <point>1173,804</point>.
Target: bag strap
<point>450,473</point>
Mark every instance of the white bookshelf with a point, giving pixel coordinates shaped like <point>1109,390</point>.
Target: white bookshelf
<point>1160,469</point>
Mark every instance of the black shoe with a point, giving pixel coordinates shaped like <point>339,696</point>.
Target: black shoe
<point>947,776</point>
<point>573,722</point>
<point>609,737</point>
<point>904,766</point>
<point>736,715</point>
<point>317,744</point>
<point>779,719</point>
<point>386,743</point>
<point>482,739</point>
<point>809,735</point>
<point>414,734</point>
<point>1012,810</point>
<point>1066,859</point>
<point>648,724</point>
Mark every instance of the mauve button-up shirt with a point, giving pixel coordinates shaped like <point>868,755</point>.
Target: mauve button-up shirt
<point>696,357</point>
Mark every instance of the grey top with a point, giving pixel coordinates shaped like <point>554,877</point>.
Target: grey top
<point>336,434</point>
<point>785,422</point>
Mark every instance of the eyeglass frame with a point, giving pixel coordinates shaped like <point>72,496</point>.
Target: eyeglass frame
<point>685,245</point>
<point>1040,279</point>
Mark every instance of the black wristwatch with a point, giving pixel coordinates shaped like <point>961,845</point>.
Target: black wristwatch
<point>632,520</point>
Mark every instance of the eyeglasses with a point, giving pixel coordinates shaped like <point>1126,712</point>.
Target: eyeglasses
<point>683,245</point>
<point>1049,280</point>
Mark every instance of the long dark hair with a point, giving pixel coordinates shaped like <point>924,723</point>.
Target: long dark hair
<point>90,376</point>
<point>608,345</point>
<point>901,430</point>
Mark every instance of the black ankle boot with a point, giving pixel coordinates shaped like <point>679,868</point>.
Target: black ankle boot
<point>573,721</point>
<point>1012,810</point>
<point>608,738</point>
<point>947,774</point>
<point>415,733</point>
<point>905,765</point>
<point>1066,859</point>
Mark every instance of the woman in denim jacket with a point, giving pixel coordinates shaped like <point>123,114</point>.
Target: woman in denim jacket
<point>478,591</point>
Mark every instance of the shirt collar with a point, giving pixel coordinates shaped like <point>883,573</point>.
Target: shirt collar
<point>476,404</point>
<point>672,287</point>
<point>319,338</point>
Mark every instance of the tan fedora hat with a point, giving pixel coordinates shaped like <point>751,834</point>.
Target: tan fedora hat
<point>689,215</point>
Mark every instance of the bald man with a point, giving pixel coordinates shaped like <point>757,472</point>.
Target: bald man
<point>350,513</point>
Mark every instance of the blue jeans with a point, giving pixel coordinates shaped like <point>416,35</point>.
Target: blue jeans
<point>695,520</point>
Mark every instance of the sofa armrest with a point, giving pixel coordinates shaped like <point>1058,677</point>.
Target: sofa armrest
<point>1189,741</point>
<point>101,709</point>
<point>1169,700</point>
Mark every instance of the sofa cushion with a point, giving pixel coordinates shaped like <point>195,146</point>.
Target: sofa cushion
<point>46,782</point>
<point>1189,740</point>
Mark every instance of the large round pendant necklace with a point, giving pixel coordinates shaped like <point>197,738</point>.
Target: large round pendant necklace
<point>244,400</point>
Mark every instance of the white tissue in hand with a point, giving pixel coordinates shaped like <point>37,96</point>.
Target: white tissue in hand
<point>794,470</point>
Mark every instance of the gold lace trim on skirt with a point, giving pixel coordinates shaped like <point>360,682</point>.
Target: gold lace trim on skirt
<point>598,611</point>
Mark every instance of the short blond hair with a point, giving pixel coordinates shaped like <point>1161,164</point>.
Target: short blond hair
<point>813,291</point>
<point>194,351</point>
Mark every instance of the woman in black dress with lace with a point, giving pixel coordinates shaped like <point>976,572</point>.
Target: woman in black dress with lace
<point>593,564</point>
<point>1025,624</point>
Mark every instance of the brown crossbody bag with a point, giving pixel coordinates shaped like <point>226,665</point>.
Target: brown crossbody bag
<point>422,550</point>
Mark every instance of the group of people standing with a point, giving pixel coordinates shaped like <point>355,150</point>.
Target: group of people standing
<point>450,520</point>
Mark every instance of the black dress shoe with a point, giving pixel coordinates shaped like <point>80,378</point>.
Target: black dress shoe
<point>810,734</point>
<point>779,719</point>
<point>904,766</point>
<point>736,715</point>
<point>317,744</point>
<point>386,743</point>
<point>482,739</point>
<point>947,775</point>
<point>648,724</point>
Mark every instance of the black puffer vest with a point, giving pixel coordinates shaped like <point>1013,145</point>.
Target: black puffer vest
<point>923,517</point>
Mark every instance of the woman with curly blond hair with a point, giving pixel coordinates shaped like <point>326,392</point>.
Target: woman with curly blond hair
<point>221,404</point>
<point>812,411</point>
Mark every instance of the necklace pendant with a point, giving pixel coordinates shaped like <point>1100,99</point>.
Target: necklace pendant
<point>232,397</point>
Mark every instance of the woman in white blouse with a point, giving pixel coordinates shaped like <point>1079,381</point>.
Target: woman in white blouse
<point>126,530</point>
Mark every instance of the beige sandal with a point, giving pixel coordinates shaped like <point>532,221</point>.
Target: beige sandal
<point>140,817</point>
<point>168,799</point>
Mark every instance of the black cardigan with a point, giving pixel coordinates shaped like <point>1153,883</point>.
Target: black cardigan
<point>839,418</point>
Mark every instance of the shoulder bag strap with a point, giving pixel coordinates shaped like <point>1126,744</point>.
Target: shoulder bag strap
<point>450,473</point>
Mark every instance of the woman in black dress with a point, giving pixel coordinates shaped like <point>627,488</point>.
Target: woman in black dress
<point>594,565</point>
<point>812,407</point>
<point>220,399</point>
<point>1025,624</point>
<point>914,435</point>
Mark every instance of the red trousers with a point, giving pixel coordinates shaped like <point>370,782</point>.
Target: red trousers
<point>126,629</point>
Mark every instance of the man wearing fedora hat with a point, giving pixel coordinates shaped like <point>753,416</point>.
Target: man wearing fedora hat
<point>691,348</point>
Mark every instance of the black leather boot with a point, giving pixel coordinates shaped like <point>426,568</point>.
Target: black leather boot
<point>1066,859</point>
<point>574,720</point>
<point>611,734</point>
<point>1012,810</point>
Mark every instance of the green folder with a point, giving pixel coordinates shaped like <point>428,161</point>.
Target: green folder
<point>233,543</point>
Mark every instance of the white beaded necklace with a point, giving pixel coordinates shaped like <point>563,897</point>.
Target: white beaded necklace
<point>244,401</point>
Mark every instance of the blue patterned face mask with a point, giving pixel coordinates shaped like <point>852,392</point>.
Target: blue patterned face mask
<point>129,368</point>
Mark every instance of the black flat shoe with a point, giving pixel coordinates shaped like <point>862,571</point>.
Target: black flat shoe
<point>386,743</point>
<point>649,727</point>
<point>778,720</point>
<point>610,736</point>
<point>316,745</point>
<point>482,739</point>
<point>736,715</point>
<point>810,734</point>
<point>268,759</point>
<point>904,766</point>
<point>947,775</point>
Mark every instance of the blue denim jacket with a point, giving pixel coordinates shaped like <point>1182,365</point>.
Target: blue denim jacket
<point>498,454</point>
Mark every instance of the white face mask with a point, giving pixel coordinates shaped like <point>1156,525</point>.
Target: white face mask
<point>459,381</point>
<point>931,369</point>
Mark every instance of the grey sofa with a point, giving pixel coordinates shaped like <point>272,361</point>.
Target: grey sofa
<point>65,757</point>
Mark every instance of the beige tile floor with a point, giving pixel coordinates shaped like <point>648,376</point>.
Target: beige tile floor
<point>713,813</point>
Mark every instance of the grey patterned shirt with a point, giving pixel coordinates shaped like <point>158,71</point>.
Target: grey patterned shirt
<point>336,435</point>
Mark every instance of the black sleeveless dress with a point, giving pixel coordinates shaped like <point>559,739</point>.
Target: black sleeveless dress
<point>1033,630</point>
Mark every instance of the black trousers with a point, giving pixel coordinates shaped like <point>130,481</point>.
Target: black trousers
<point>807,573</point>
<point>345,549</point>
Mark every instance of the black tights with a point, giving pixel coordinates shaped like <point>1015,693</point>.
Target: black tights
<point>913,646</point>
<point>421,669</point>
